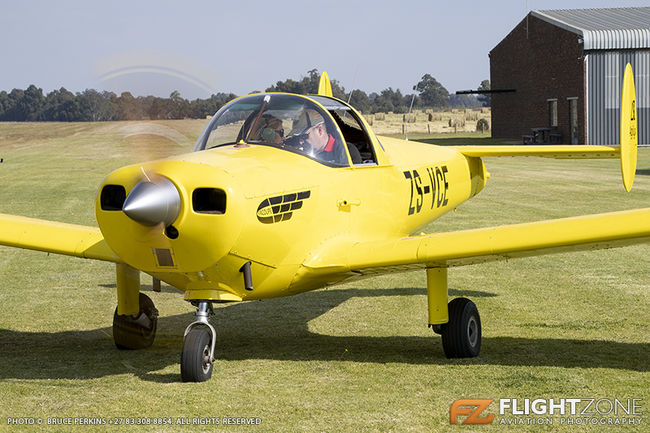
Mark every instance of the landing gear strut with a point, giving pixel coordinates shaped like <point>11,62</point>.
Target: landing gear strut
<point>136,331</point>
<point>197,357</point>
<point>458,322</point>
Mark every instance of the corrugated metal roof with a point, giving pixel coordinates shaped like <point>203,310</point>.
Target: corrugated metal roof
<point>604,29</point>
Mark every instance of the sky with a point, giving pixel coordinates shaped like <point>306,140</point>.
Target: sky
<point>205,47</point>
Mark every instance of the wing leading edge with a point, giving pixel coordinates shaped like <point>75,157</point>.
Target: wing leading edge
<point>54,237</point>
<point>467,247</point>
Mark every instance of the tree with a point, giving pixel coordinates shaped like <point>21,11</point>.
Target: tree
<point>307,85</point>
<point>61,106</point>
<point>32,103</point>
<point>360,100</point>
<point>5,104</point>
<point>432,93</point>
<point>97,107</point>
<point>128,108</point>
<point>485,98</point>
<point>200,108</point>
<point>157,109</point>
<point>463,101</point>
<point>390,100</point>
<point>179,108</point>
<point>14,110</point>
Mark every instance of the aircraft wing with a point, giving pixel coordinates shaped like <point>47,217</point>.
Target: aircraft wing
<point>466,247</point>
<point>55,237</point>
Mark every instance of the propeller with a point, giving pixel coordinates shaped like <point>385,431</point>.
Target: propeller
<point>154,200</point>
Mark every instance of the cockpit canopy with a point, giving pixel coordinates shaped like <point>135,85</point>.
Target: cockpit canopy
<point>291,122</point>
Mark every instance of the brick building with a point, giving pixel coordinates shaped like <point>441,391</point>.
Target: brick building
<point>566,70</point>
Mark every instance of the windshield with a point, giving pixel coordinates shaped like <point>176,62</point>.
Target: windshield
<point>288,122</point>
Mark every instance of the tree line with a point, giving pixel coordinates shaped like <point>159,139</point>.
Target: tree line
<point>62,105</point>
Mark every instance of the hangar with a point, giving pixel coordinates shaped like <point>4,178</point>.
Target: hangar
<point>559,72</point>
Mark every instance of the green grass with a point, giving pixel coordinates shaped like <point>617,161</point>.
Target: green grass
<point>355,357</point>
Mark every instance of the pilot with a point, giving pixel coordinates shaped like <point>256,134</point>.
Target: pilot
<point>316,140</point>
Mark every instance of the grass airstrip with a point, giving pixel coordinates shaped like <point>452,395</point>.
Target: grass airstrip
<point>351,358</point>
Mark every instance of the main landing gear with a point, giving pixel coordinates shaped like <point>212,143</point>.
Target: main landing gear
<point>197,357</point>
<point>136,331</point>
<point>461,336</point>
<point>458,322</point>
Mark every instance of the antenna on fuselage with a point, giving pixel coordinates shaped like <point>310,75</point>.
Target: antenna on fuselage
<point>408,116</point>
<point>354,80</point>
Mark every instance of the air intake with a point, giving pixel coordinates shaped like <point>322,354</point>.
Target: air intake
<point>112,197</point>
<point>209,200</point>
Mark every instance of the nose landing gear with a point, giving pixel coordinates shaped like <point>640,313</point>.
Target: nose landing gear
<point>197,357</point>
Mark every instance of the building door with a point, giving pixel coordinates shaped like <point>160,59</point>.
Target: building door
<point>573,119</point>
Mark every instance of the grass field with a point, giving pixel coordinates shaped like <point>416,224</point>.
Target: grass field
<point>351,358</point>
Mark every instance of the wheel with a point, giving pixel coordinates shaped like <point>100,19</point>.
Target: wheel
<point>196,365</point>
<point>461,337</point>
<point>136,332</point>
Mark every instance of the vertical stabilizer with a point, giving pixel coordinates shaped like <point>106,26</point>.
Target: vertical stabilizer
<point>324,85</point>
<point>628,129</point>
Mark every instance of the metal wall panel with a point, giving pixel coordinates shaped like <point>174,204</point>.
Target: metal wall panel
<point>616,39</point>
<point>604,80</point>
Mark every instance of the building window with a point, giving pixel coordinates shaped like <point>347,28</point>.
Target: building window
<point>552,112</point>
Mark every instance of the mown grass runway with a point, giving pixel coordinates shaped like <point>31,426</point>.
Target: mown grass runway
<point>354,357</point>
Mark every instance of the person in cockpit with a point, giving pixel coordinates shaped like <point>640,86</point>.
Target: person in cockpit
<point>315,139</point>
<point>269,129</point>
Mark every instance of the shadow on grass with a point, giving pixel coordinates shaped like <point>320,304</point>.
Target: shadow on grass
<point>277,329</point>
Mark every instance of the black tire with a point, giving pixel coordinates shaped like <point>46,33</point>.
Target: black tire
<point>196,365</point>
<point>461,337</point>
<point>131,334</point>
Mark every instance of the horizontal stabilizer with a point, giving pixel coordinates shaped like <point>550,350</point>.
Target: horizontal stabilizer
<point>552,151</point>
<point>627,151</point>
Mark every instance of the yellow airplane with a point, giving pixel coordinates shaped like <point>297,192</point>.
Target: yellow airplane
<point>288,193</point>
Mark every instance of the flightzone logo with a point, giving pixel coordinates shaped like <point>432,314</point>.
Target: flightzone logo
<point>472,409</point>
<point>542,411</point>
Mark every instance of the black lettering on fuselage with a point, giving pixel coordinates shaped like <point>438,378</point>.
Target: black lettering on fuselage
<point>407,174</point>
<point>434,185</point>
<point>418,186</point>
<point>437,186</point>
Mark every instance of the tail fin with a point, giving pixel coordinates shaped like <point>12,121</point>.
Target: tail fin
<point>324,85</point>
<point>629,137</point>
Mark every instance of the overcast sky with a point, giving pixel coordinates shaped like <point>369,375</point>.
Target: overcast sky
<point>204,47</point>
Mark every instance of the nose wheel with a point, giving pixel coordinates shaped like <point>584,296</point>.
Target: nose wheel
<point>197,357</point>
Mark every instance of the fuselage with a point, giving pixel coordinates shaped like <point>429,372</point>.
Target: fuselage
<point>282,212</point>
